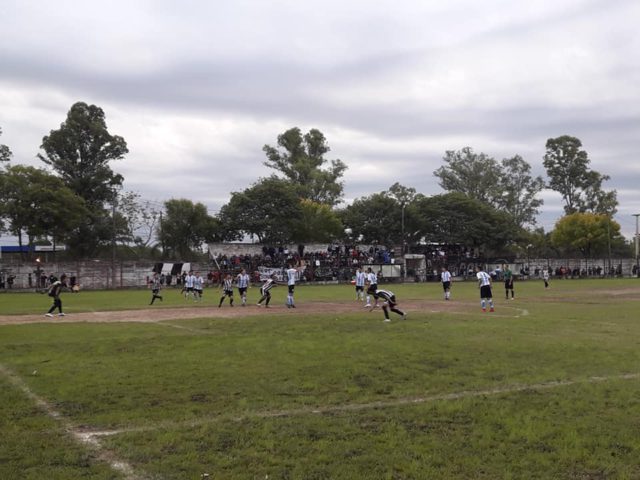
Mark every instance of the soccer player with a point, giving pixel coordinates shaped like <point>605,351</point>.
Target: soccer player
<point>361,278</point>
<point>155,286</point>
<point>265,290</point>
<point>445,278</point>
<point>292,273</point>
<point>242,280</point>
<point>227,290</point>
<point>198,285</point>
<point>372,280</point>
<point>54,291</point>
<point>508,282</point>
<point>484,283</point>
<point>545,277</point>
<point>389,303</point>
<point>189,280</point>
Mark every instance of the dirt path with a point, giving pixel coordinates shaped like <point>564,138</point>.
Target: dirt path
<point>152,315</point>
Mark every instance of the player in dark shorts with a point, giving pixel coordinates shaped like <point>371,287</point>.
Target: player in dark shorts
<point>508,283</point>
<point>484,282</point>
<point>265,290</point>
<point>372,281</point>
<point>445,277</point>
<point>389,303</point>
<point>242,281</point>
<point>227,290</point>
<point>155,285</point>
<point>54,292</point>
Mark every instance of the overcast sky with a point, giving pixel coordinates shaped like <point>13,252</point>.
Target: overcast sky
<point>197,87</point>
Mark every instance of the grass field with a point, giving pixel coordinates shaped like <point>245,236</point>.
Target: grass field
<point>547,387</point>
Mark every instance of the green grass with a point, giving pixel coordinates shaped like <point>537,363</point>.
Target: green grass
<point>302,395</point>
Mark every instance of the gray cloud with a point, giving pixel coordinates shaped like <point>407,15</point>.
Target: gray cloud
<point>197,88</point>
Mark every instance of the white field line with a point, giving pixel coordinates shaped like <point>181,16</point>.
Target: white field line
<point>87,440</point>
<point>355,407</point>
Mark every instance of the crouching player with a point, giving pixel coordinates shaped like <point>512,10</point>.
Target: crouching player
<point>388,303</point>
<point>265,290</point>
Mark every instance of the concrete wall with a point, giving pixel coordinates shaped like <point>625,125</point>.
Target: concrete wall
<point>89,275</point>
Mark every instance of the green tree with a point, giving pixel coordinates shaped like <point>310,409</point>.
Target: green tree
<point>184,228</point>
<point>588,233</point>
<point>80,152</point>
<point>455,218</point>
<point>567,166</point>
<point>519,191</point>
<point>5,152</point>
<point>267,210</point>
<point>381,217</point>
<point>507,185</point>
<point>300,159</point>
<point>374,219</point>
<point>474,174</point>
<point>317,223</point>
<point>38,204</point>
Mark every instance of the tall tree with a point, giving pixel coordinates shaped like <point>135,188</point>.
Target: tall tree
<point>300,159</point>
<point>374,219</point>
<point>184,228</point>
<point>507,185</point>
<point>80,152</point>
<point>5,152</point>
<point>520,191</point>
<point>388,217</point>
<point>317,223</point>
<point>268,210</point>
<point>455,218</point>
<point>140,218</point>
<point>567,166</point>
<point>475,174</point>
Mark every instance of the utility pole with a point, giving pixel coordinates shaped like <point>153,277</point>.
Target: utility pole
<point>637,243</point>
<point>113,240</point>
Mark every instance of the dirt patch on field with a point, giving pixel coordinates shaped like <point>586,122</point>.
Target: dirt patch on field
<point>158,314</point>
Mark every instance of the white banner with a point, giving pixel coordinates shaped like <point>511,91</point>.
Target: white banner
<point>267,272</point>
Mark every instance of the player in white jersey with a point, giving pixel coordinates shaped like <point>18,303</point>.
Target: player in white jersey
<point>360,280</point>
<point>198,285</point>
<point>189,281</point>
<point>445,278</point>
<point>227,290</point>
<point>242,281</point>
<point>484,283</point>
<point>372,281</point>
<point>292,274</point>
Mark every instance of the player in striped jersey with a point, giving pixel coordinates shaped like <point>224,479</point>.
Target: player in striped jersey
<point>155,286</point>
<point>361,277</point>
<point>484,283</point>
<point>242,280</point>
<point>227,290</point>
<point>389,303</point>
<point>265,290</point>
<point>189,280</point>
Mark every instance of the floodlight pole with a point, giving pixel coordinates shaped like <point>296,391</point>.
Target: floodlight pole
<point>404,257</point>
<point>637,243</point>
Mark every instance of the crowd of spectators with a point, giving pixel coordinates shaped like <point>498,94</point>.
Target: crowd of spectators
<point>337,261</point>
